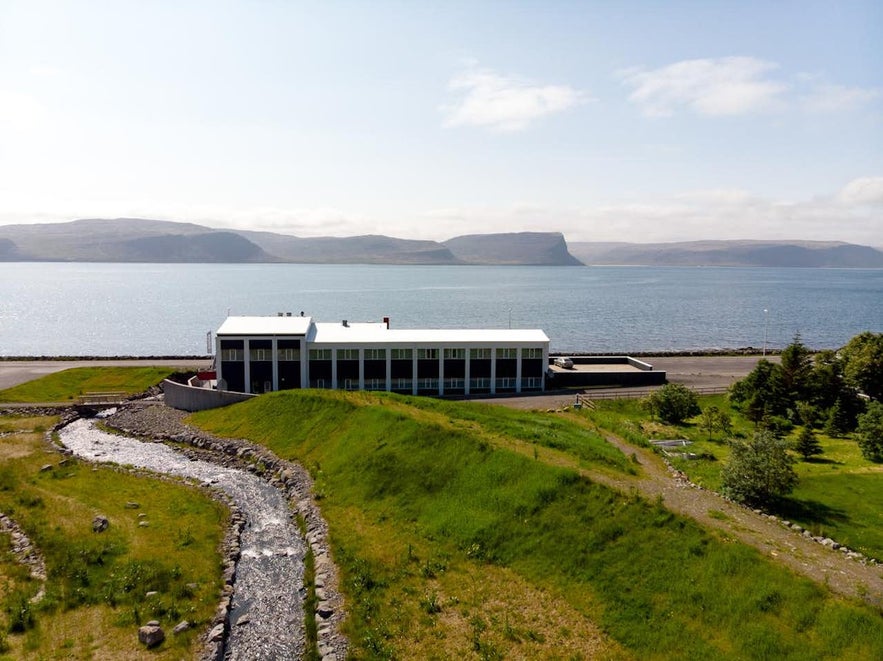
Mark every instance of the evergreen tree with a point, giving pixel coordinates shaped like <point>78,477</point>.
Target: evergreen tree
<point>797,366</point>
<point>838,420</point>
<point>807,443</point>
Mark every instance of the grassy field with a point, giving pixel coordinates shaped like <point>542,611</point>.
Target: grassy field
<point>97,583</point>
<point>840,493</point>
<point>453,540</point>
<point>70,384</point>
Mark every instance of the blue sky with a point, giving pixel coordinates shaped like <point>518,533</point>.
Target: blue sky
<point>607,121</point>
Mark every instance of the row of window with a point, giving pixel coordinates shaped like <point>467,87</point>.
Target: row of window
<point>238,355</point>
<point>508,383</point>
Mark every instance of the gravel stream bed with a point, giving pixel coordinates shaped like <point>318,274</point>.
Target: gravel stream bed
<point>266,616</point>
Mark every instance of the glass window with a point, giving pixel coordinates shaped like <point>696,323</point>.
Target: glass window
<point>507,353</point>
<point>455,354</point>
<point>427,354</point>
<point>289,354</point>
<point>320,354</point>
<point>532,353</point>
<point>347,354</point>
<point>401,354</point>
<point>236,355</point>
<point>375,354</point>
<point>480,354</point>
<point>261,354</point>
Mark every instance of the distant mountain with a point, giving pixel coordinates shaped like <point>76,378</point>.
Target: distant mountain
<point>819,254</point>
<point>143,240</point>
<point>533,248</point>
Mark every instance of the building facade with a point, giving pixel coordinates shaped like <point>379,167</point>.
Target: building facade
<point>263,354</point>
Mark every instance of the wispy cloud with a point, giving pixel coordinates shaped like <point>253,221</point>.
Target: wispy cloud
<point>737,86</point>
<point>826,97</point>
<point>505,103</point>
<point>723,86</point>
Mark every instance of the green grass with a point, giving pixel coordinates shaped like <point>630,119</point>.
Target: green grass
<point>70,384</point>
<point>95,592</point>
<point>436,528</point>
<point>839,493</point>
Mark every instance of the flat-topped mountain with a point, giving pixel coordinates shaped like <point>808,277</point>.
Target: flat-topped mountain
<point>144,240</point>
<point>820,254</point>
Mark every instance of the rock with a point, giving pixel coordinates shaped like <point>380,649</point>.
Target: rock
<point>143,523</point>
<point>132,506</point>
<point>216,634</point>
<point>151,635</point>
<point>142,515</point>
<point>45,467</point>
<point>242,621</point>
<point>324,610</point>
<point>100,523</point>
<point>181,627</point>
<point>153,623</point>
<point>150,594</point>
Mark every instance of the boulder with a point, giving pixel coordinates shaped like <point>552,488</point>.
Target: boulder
<point>151,635</point>
<point>181,627</point>
<point>100,523</point>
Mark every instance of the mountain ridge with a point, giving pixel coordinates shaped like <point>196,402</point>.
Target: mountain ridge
<point>157,241</point>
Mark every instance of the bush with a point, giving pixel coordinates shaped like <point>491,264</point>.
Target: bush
<point>673,403</point>
<point>759,471</point>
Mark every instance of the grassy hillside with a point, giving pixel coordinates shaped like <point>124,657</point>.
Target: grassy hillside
<point>70,384</point>
<point>454,539</point>
<point>97,583</point>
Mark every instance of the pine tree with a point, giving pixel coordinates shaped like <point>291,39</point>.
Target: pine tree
<point>807,443</point>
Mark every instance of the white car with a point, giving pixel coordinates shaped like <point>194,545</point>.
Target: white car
<point>564,362</point>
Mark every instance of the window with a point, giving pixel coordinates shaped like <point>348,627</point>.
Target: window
<point>479,384</point>
<point>320,354</point>
<point>506,383</point>
<point>480,354</point>
<point>455,354</point>
<point>289,354</point>
<point>375,354</point>
<point>532,353</point>
<point>401,354</point>
<point>507,353</point>
<point>375,384</point>
<point>427,384</point>
<point>401,384</point>
<point>261,354</point>
<point>454,384</point>
<point>351,384</point>
<point>347,354</point>
<point>237,355</point>
<point>427,354</point>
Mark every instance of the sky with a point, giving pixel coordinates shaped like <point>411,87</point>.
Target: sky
<point>607,121</point>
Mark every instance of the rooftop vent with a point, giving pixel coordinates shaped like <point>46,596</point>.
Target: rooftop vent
<point>278,314</point>
<point>345,323</point>
<point>287,314</point>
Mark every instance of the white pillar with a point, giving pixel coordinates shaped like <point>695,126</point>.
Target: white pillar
<point>441,372</point>
<point>466,376</point>
<point>493,370</point>
<point>334,369</point>
<point>361,369</point>
<point>274,348</point>
<point>413,371</point>
<point>247,367</point>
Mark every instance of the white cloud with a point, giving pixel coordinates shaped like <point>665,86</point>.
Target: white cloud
<point>505,103</point>
<point>723,86</point>
<point>826,97</point>
<point>863,191</point>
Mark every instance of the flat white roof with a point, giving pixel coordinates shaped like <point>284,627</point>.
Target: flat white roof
<point>374,332</point>
<point>358,333</point>
<point>251,326</point>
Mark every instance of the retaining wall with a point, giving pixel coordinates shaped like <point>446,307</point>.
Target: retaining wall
<point>194,398</point>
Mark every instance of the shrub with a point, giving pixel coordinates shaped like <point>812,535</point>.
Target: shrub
<point>673,403</point>
<point>807,443</point>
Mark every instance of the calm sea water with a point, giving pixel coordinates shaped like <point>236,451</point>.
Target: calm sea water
<point>162,309</point>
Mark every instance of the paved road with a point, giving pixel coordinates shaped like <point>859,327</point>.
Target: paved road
<point>14,372</point>
<point>693,371</point>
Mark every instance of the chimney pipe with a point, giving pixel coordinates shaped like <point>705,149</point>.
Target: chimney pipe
<point>386,321</point>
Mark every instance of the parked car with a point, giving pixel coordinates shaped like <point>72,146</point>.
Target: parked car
<point>564,362</point>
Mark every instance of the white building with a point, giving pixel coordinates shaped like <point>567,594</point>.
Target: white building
<point>261,354</point>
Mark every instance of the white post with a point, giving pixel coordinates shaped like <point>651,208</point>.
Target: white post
<point>766,319</point>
